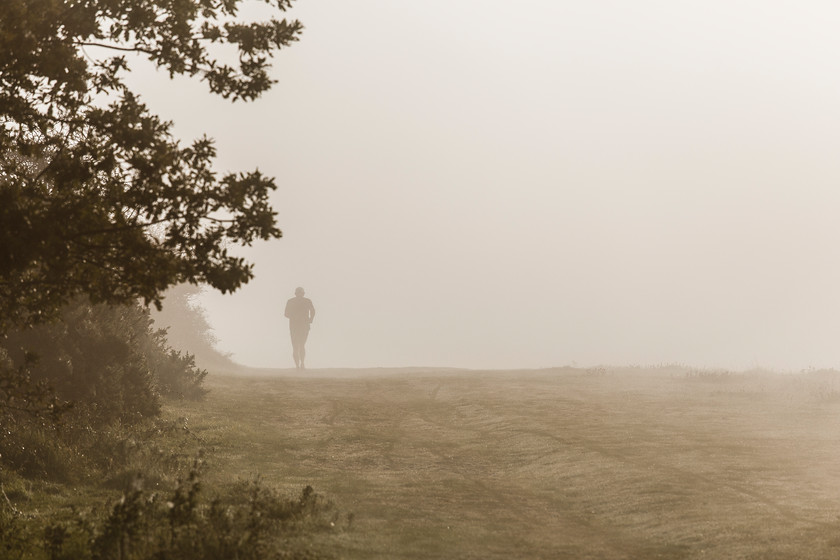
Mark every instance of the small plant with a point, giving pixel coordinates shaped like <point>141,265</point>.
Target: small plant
<point>708,374</point>
<point>827,393</point>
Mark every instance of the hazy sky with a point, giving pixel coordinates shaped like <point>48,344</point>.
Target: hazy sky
<point>540,183</point>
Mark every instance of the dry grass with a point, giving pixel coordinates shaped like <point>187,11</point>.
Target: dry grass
<point>563,463</point>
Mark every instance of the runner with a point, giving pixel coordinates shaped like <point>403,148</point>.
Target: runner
<point>300,312</point>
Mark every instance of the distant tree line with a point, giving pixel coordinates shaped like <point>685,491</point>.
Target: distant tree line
<point>188,328</point>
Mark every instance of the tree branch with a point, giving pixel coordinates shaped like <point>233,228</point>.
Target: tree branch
<point>115,47</point>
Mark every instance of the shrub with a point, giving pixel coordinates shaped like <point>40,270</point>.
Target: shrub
<point>176,373</point>
<point>183,526</point>
<point>107,360</point>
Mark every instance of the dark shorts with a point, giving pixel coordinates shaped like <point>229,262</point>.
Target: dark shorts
<point>299,333</point>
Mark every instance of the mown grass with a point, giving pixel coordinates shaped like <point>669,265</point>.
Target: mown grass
<point>549,464</point>
<point>565,463</point>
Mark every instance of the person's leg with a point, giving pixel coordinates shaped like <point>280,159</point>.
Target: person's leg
<point>302,347</point>
<point>296,347</point>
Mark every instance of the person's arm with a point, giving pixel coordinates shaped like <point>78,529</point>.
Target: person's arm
<point>311,311</point>
<point>287,309</point>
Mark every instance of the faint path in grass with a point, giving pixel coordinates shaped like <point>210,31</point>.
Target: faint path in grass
<point>688,477</point>
<point>542,464</point>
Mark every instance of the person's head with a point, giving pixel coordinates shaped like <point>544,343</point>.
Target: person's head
<point>299,292</point>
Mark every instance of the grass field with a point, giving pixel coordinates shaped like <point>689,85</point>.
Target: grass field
<point>563,463</point>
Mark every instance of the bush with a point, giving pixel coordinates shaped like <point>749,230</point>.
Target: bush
<point>107,360</point>
<point>181,526</point>
<point>176,373</point>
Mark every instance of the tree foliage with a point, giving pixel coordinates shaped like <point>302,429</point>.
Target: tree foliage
<point>96,195</point>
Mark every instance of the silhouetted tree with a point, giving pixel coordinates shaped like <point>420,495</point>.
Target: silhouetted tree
<point>96,196</point>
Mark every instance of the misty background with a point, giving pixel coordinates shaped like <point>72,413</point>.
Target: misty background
<point>489,184</point>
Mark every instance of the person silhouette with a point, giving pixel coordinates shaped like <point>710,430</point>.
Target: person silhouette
<point>300,312</point>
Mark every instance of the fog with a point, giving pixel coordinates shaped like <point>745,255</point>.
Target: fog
<point>499,185</point>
